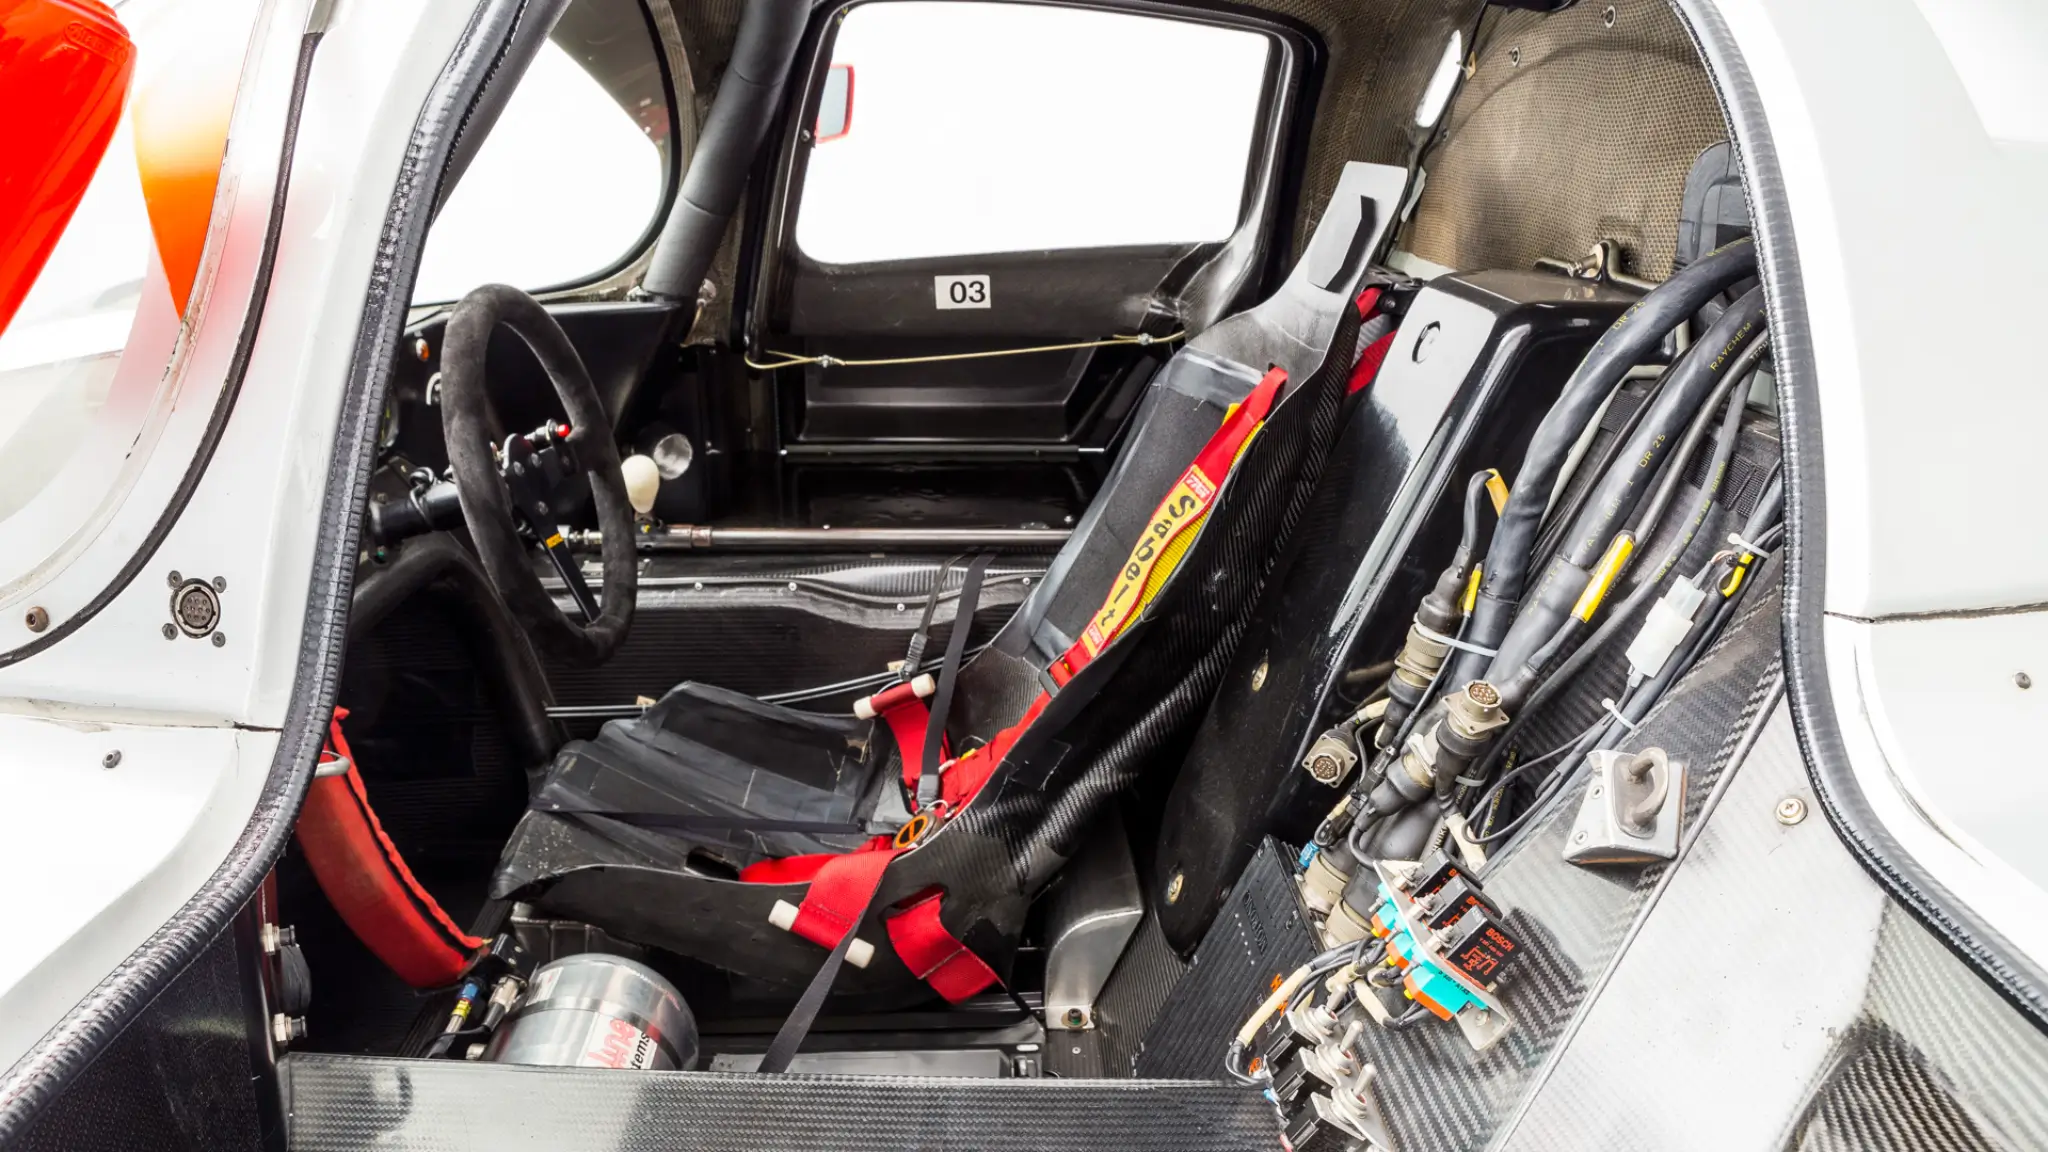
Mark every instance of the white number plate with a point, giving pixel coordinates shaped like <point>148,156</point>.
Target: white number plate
<point>961,291</point>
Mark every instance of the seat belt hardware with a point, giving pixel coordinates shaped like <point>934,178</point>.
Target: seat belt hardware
<point>895,696</point>
<point>783,916</point>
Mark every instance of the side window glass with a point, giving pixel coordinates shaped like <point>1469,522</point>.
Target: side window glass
<point>956,128</point>
<point>568,186</point>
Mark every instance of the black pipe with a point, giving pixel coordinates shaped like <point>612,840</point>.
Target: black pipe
<point>498,649</point>
<point>741,114</point>
<point>1631,339</point>
<point>1615,495</point>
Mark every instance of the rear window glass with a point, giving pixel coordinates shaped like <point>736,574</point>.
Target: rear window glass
<point>985,127</point>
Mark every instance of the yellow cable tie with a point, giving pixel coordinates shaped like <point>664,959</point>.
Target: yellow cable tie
<point>1471,592</point>
<point>791,360</point>
<point>1497,490</point>
<point>1604,575</point>
<point>1734,580</point>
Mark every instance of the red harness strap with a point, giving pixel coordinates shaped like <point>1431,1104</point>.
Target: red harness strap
<point>844,884</point>
<point>902,709</point>
<point>1368,367</point>
<point>938,959</point>
<point>369,884</point>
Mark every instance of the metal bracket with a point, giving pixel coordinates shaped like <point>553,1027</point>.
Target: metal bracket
<point>1090,920</point>
<point>1633,810</point>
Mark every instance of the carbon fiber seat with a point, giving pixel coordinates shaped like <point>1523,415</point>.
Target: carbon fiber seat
<point>713,780</point>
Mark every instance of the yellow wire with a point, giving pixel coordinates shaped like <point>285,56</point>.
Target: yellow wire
<point>793,361</point>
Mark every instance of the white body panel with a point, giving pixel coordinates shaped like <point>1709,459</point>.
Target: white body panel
<point>197,723</point>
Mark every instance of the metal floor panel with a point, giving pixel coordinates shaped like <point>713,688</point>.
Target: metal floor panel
<point>352,1103</point>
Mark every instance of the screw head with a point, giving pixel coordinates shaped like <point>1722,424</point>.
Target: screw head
<point>220,583</point>
<point>1259,676</point>
<point>1791,810</point>
<point>111,759</point>
<point>170,632</point>
<point>37,619</point>
<point>1174,886</point>
<point>422,349</point>
<point>220,639</point>
<point>175,578</point>
<point>2023,680</point>
<point>1075,1018</point>
<point>1578,838</point>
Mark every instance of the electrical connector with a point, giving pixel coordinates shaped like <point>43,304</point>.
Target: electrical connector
<point>1664,629</point>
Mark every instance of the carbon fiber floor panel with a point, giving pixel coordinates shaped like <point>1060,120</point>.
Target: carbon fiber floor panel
<point>338,1102</point>
<point>1259,937</point>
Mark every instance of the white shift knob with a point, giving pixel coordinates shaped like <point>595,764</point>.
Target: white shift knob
<point>643,480</point>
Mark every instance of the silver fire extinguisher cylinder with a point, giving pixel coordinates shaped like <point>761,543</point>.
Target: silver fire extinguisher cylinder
<point>598,1011</point>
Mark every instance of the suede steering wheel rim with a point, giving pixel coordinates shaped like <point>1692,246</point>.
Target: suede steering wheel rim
<point>486,504</point>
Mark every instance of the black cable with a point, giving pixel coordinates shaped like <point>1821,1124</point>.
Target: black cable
<point>1566,511</point>
<point>1627,343</point>
<point>1735,385</point>
<point>1468,537</point>
<point>1704,368</point>
<point>1724,456</point>
<point>1571,749</point>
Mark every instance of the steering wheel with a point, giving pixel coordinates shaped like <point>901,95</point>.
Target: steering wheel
<point>500,489</point>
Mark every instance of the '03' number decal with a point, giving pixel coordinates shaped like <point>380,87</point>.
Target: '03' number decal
<point>961,291</point>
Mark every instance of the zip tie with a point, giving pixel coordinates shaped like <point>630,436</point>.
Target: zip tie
<point>790,360</point>
<point>1428,633</point>
<point>1737,540</point>
<point>1608,705</point>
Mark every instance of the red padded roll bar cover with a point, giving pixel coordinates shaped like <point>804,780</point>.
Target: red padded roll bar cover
<point>369,884</point>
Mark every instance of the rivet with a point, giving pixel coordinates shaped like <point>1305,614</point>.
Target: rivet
<point>1259,676</point>
<point>792,585</point>
<point>220,583</point>
<point>37,619</point>
<point>111,759</point>
<point>175,578</point>
<point>170,633</point>
<point>1791,810</point>
<point>1515,57</point>
<point>1174,886</point>
<point>1579,838</point>
<point>2023,680</point>
<point>220,639</point>
<point>1607,17</point>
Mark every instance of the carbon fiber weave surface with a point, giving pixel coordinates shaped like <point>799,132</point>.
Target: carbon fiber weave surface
<point>1937,1060</point>
<point>1437,1094</point>
<point>177,1079</point>
<point>1259,937</point>
<point>1144,977</point>
<point>1569,131</point>
<point>1774,972</point>
<point>343,1103</point>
